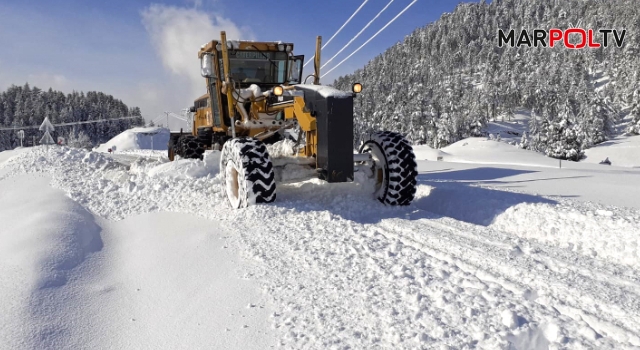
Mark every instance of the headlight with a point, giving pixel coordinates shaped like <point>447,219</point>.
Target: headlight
<point>281,47</point>
<point>278,90</point>
<point>289,48</point>
<point>219,47</point>
<point>356,88</point>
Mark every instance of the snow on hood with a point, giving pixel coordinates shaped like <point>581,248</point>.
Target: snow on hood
<point>325,91</point>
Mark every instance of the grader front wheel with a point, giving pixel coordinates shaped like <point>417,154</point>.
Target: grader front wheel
<point>395,170</point>
<point>247,171</point>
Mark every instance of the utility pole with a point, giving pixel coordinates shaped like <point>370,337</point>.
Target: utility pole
<point>167,113</point>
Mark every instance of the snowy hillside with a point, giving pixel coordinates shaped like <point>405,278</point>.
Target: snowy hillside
<point>500,250</point>
<point>622,150</point>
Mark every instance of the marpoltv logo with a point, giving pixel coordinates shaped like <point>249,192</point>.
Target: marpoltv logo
<point>571,38</point>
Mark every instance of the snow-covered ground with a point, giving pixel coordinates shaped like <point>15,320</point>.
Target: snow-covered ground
<point>622,151</point>
<point>500,250</point>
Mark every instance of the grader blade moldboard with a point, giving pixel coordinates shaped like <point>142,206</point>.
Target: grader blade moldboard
<point>334,120</point>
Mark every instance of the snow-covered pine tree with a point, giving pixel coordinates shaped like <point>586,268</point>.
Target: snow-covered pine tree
<point>634,126</point>
<point>432,62</point>
<point>524,141</point>
<point>23,106</point>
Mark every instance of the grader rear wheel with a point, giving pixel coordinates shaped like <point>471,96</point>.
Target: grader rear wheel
<point>395,170</point>
<point>188,146</point>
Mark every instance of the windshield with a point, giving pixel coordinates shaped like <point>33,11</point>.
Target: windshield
<point>256,67</point>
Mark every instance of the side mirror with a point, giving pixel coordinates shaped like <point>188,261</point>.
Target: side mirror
<point>295,69</point>
<point>206,66</point>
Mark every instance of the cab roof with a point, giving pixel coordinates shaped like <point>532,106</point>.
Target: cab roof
<point>246,45</point>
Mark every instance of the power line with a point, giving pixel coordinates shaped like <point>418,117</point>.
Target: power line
<point>339,29</point>
<point>357,35</point>
<point>158,118</point>
<point>70,123</point>
<point>169,114</point>
<point>374,35</point>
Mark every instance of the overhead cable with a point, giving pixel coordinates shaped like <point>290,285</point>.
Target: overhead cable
<point>339,30</point>
<point>374,35</point>
<point>357,35</point>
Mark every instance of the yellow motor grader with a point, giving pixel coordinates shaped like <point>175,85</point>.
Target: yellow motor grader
<point>256,93</point>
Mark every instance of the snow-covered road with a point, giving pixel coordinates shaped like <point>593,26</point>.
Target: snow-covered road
<point>464,266</point>
<point>408,278</point>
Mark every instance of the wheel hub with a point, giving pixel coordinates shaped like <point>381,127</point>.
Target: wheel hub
<point>233,184</point>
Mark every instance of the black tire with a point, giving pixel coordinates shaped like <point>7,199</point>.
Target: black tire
<point>247,172</point>
<point>171,152</point>
<point>188,146</point>
<point>396,181</point>
<point>205,135</point>
<point>171,146</point>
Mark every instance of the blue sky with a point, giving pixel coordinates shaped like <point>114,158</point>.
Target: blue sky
<point>144,52</point>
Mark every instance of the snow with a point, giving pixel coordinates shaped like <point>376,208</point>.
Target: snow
<point>510,128</point>
<point>137,139</point>
<point>159,280</point>
<point>324,91</point>
<point>623,151</point>
<point>480,150</point>
<point>500,249</point>
<point>424,152</point>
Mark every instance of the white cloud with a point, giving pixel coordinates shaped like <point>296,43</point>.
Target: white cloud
<point>41,80</point>
<point>177,34</point>
<point>48,80</point>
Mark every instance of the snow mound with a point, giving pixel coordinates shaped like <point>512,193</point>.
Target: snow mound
<point>136,139</point>
<point>481,150</point>
<point>284,148</point>
<point>44,238</point>
<point>623,151</point>
<point>182,168</point>
<point>607,235</point>
<point>424,152</point>
<point>113,190</point>
<point>6,155</point>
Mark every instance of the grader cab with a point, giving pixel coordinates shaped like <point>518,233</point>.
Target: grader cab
<point>256,92</point>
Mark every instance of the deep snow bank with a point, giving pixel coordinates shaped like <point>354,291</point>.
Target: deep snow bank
<point>136,139</point>
<point>44,236</point>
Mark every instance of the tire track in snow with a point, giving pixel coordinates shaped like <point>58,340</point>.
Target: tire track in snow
<point>546,285</point>
<point>428,286</point>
